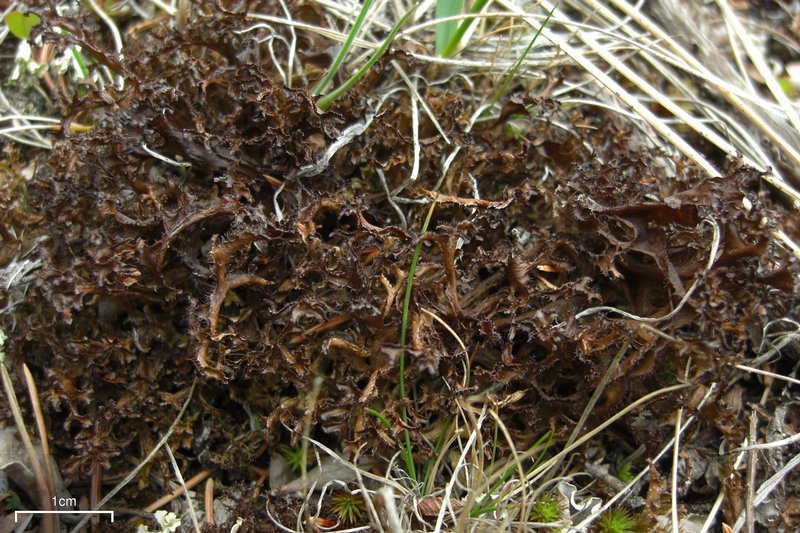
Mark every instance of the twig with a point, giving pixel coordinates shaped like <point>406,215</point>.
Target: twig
<point>209,502</point>
<point>162,501</point>
<point>94,491</point>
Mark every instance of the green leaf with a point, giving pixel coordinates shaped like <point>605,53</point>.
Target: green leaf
<point>446,30</point>
<point>21,24</point>
<point>325,102</point>
<point>786,85</point>
<point>13,502</point>
<point>323,83</point>
<point>458,34</point>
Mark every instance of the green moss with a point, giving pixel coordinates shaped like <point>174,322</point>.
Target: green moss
<point>347,507</point>
<point>546,509</point>
<point>294,456</point>
<point>616,521</point>
<point>625,474</point>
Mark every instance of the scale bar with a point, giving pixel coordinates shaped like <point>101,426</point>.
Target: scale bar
<point>16,513</point>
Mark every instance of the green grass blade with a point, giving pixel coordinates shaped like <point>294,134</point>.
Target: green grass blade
<point>484,506</point>
<point>456,37</point>
<point>494,446</point>
<point>504,86</point>
<point>380,417</point>
<point>436,449</point>
<point>446,30</point>
<point>79,60</point>
<point>326,101</point>
<point>403,330</point>
<point>323,83</point>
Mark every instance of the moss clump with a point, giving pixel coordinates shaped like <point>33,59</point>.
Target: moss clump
<point>616,521</point>
<point>546,509</point>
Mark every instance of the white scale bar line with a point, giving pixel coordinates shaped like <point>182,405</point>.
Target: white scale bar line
<point>16,513</point>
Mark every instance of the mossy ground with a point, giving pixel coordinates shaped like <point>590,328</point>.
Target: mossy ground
<point>201,223</point>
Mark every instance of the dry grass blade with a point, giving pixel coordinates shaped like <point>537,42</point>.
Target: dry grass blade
<point>768,374</point>
<point>545,467</point>
<point>668,102</point>
<point>311,405</point>
<point>189,502</point>
<point>712,256</point>
<point>760,63</point>
<point>612,368</point>
<point>625,492</point>
<point>372,511</point>
<point>41,429</point>
<point>675,460</point>
<point>389,508</point>
<point>49,523</point>
<point>749,506</point>
<point>771,445</point>
<point>182,14</point>
<point>325,32</point>
<point>355,468</point>
<point>521,504</point>
<point>737,102</point>
<point>461,463</point>
<point>618,91</point>
<point>445,325</point>
<point>768,486</point>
